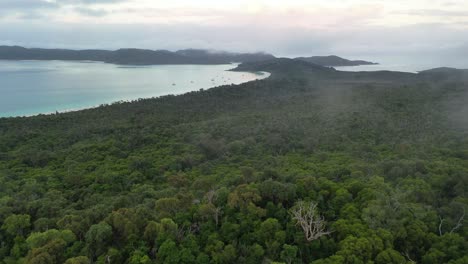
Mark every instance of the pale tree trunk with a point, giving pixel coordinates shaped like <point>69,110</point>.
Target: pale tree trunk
<point>312,223</point>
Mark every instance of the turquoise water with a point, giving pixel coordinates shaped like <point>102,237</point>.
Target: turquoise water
<point>34,87</point>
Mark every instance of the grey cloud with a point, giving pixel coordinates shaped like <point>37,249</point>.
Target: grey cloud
<point>26,9</point>
<point>32,15</point>
<point>25,4</point>
<point>28,5</point>
<point>430,44</point>
<point>91,12</point>
<point>405,41</point>
<point>40,9</point>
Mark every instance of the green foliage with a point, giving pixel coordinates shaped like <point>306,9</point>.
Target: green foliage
<point>214,176</point>
<point>78,260</point>
<point>168,252</point>
<point>289,253</point>
<point>36,240</point>
<point>97,238</point>
<point>16,224</point>
<point>389,256</point>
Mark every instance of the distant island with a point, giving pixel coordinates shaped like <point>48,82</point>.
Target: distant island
<point>283,66</point>
<point>334,61</point>
<point>133,56</point>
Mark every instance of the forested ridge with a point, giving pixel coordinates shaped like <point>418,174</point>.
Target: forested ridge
<point>158,57</point>
<point>132,56</point>
<point>311,165</point>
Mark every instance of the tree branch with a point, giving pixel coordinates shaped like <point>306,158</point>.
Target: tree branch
<point>440,225</point>
<point>459,223</point>
<point>312,224</point>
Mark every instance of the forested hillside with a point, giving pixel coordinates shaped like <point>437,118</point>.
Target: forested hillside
<point>311,165</point>
<point>132,56</point>
<point>334,61</point>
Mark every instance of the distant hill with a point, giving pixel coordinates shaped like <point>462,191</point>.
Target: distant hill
<point>20,53</point>
<point>282,66</point>
<point>286,68</point>
<point>442,70</point>
<point>132,56</point>
<point>445,74</point>
<point>156,57</point>
<point>334,61</point>
<point>225,56</point>
<point>150,57</point>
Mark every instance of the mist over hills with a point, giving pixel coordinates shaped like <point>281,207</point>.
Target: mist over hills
<point>283,66</point>
<point>224,55</point>
<point>132,56</point>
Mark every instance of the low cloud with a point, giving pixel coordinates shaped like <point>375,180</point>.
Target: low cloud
<point>404,41</point>
<point>367,31</point>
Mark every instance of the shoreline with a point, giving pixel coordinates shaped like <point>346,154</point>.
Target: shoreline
<point>262,75</point>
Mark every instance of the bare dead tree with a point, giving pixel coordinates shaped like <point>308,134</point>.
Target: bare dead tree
<point>459,223</point>
<point>217,212</point>
<point>312,223</point>
<point>406,254</point>
<point>211,196</point>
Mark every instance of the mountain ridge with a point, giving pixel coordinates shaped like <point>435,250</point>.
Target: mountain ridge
<point>334,61</point>
<point>130,56</point>
<point>135,56</point>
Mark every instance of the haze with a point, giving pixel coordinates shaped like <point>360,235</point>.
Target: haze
<point>433,30</point>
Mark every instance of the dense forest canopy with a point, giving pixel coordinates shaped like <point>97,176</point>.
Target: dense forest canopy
<point>311,165</point>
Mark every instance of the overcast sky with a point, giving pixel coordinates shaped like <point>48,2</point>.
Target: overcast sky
<point>366,28</point>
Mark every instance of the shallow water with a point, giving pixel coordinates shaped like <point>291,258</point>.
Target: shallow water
<point>34,87</point>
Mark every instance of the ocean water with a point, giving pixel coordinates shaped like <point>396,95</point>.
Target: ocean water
<point>406,64</point>
<point>35,87</point>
